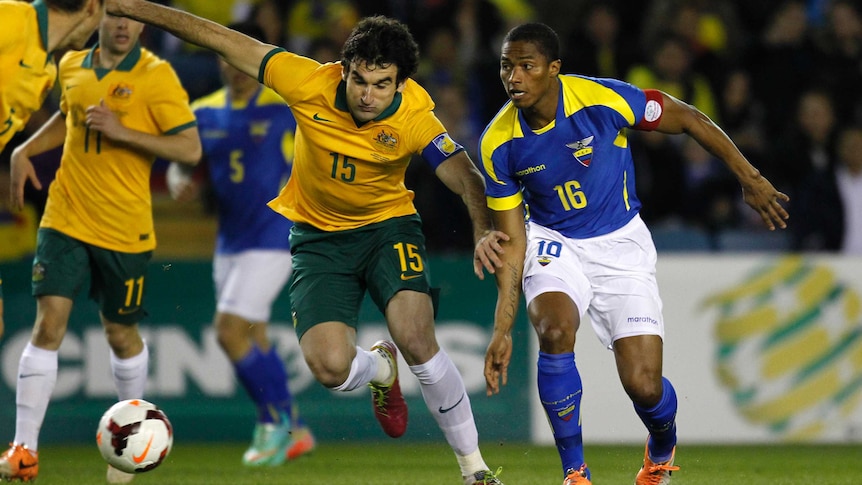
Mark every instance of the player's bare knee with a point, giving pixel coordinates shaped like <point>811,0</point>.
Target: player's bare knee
<point>124,340</point>
<point>48,333</point>
<point>555,338</point>
<point>329,372</point>
<point>644,392</point>
<point>418,350</point>
<point>228,336</point>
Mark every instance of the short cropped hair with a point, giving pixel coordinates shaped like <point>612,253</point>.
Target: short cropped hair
<point>382,41</point>
<point>68,6</point>
<point>546,40</point>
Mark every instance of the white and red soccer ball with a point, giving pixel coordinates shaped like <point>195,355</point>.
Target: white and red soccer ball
<point>134,436</point>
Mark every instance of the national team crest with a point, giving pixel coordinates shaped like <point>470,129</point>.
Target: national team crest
<point>566,413</point>
<point>544,260</point>
<point>386,141</point>
<point>258,130</point>
<point>583,152</point>
<point>121,91</point>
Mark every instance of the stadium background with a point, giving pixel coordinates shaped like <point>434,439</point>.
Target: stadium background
<point>763,329</point>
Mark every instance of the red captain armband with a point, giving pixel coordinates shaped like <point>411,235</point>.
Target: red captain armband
<point>652,111</point>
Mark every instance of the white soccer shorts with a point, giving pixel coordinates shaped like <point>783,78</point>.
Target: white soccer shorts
<point>248,283</point>
<point>611,278</point>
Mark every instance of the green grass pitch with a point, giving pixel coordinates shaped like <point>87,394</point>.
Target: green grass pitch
<point>384,463</point>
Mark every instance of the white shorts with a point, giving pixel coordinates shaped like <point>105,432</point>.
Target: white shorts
<point>247,283</point>
<point>611,278</point>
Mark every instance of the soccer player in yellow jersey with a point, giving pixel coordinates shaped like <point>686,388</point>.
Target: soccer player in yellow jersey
<point>29,35</point>
<point>120,108</point>
<point>356,229</point>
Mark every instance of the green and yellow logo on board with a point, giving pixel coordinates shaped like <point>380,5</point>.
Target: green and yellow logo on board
<point>790,349</point>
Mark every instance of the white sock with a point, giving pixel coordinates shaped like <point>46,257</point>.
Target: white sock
<point>471,463</point>
<point>446,397</point>
<point>362,370</point>
<point>130,375</point>
<point>37,374</point>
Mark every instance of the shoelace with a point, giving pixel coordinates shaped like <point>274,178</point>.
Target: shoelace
<point>380,396</point>
<point>490,478</point>
<point>654,472</point>
<point>579,473</point>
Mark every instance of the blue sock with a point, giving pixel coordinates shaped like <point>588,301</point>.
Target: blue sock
<point>263,377</point>
<point>660,421</point>
<point>279,391</point>
<point>560,391</point>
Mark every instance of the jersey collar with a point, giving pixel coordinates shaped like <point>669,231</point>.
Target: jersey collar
<point>42,19</point>
<point>341,103</point>
<point>126,65</point>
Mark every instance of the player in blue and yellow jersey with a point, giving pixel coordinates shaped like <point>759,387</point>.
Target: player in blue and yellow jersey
<point>558,152</point>
<point>247,132</point>
<point>120,108</point>
<point>360,122</point>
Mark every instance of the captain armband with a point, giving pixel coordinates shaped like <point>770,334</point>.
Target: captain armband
<point>652,111</point>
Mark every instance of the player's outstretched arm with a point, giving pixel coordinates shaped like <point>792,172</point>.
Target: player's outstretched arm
<point>508,276</point>
<point>758,192</point>
<point>239,50</point>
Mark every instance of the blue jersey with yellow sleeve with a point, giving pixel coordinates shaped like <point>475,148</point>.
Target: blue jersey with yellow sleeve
<point>248,149</point>
<point>347,176</point>
<point>576,175</point>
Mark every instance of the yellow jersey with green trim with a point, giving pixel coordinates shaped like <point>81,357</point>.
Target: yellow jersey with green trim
<point>347,176</point>
<point>101,193</point>
<point>28,71</point>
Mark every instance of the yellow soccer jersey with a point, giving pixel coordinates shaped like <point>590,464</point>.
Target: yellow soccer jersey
<point>101,194</point>
<point>346,176</point>
<point>27,71</point>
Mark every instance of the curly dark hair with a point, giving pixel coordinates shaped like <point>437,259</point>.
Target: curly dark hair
<point>546,40</point>
<point>382,41</point>
<point>69,6</point>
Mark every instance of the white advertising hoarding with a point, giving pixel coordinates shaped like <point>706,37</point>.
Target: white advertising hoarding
<point>760,348</point>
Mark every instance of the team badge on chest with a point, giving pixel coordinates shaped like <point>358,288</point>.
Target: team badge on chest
<point>583,152</point>
<point>386,141</point>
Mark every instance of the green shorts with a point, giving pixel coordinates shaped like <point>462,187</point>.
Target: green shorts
<point>332,270</point>
<point>63,264</point>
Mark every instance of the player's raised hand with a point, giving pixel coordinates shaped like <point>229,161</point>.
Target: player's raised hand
<point>487,251</point>
<point>21,171</point>
<point>497,359</point>
<point>761,196</point>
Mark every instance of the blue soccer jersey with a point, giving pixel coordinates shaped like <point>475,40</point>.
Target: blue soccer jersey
<point>576,175</point>
<point>248,149</point>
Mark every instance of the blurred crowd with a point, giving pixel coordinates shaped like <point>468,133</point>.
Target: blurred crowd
<point>783,78</point>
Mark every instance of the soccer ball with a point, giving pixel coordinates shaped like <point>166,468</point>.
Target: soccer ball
<point>134,436</point>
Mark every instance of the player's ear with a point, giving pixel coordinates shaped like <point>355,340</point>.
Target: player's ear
<point>554,67</point>
<point>95,7</point>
